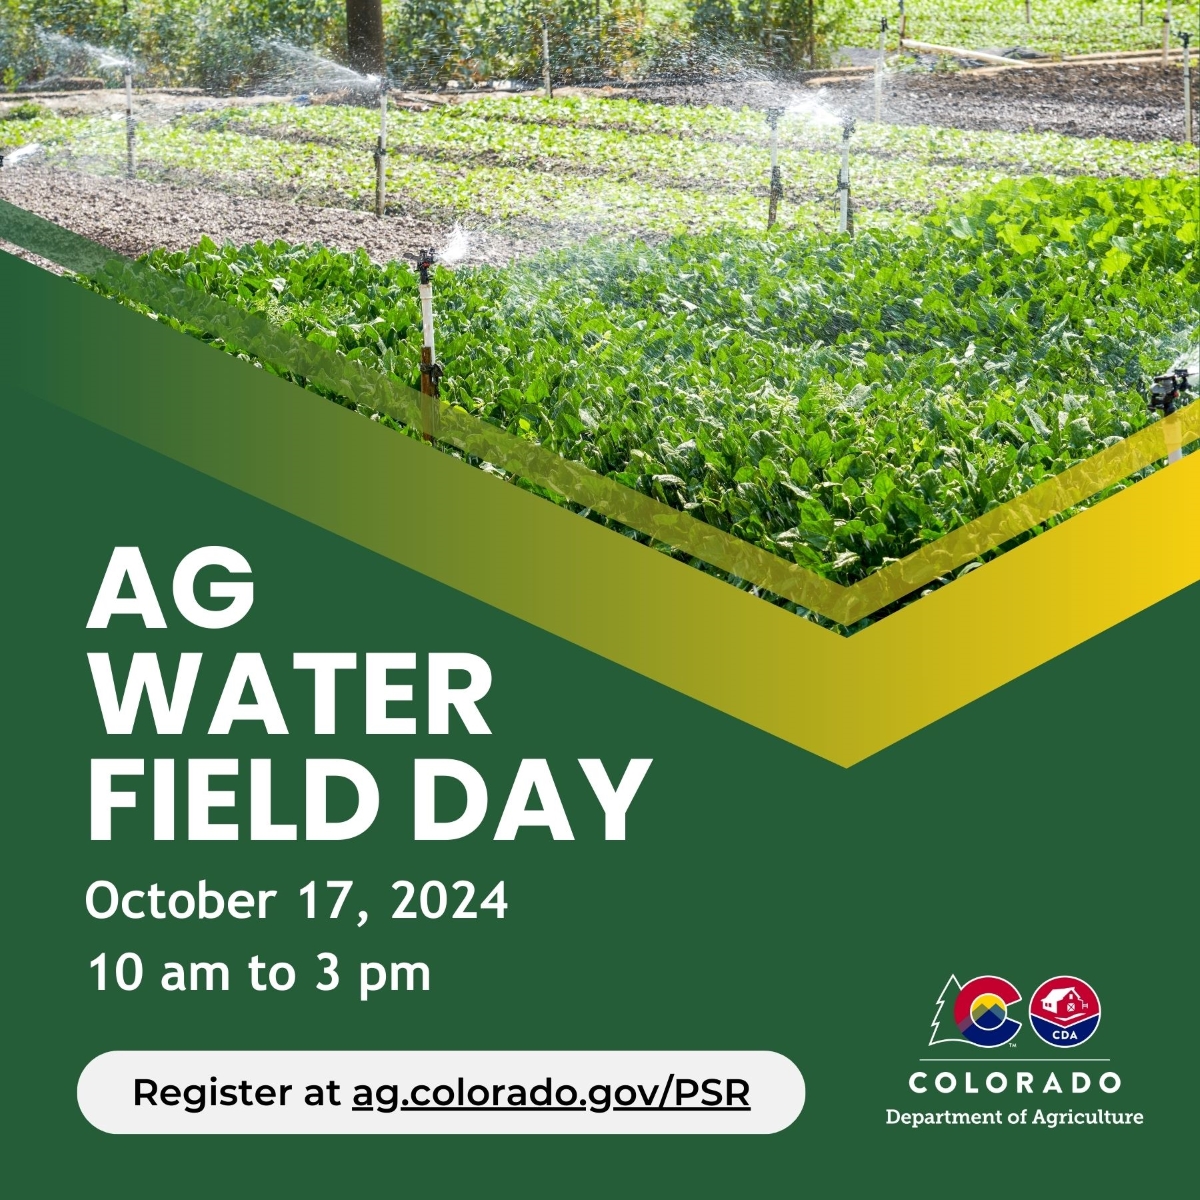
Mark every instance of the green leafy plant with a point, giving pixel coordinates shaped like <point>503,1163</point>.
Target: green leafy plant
<point>837,402</point>
<point>1055,26</point>
<point>28,110</point>
<point>589,165</point>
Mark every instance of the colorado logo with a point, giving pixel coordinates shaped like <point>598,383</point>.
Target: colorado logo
<point>981,1011</point>
<point>1064,1011</point>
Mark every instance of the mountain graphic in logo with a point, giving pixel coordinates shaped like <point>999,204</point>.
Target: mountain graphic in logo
<point>980,1012</point>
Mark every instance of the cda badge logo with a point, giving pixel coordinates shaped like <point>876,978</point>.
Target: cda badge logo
<point>1064,1011</point>
<point>980,1011</point>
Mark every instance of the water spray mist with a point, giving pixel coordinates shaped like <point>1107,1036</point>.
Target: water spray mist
<point>773,115</point>
<point>846,219</point>
<point>129,129</point>
<point>430,371</point>
<point>380,152</point>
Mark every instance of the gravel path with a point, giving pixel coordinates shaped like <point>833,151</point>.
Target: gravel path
<point>134,217</point>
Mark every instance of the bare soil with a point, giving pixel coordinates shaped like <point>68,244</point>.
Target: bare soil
<point>132,217</point>
<point>1136,102</point>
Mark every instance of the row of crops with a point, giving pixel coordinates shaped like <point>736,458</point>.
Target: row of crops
<point>592,164</point>
<point>838,402</point>
<point>1054,26</point>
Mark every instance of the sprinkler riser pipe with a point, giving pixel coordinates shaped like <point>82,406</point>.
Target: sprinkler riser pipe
<point>844,188</point>
<point>846,220</point>
<point>129,128</point>
<point>426,292</point>
<point>381,156</point>
<point>775,193</point>
<point>1187,95</point>
<point>879,70</point>
<point>1167,33</point>
<point>429,369</point>
<point>429,391</point>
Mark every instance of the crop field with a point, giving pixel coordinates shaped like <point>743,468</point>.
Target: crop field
<point>1054,27</point>
<point>839,403</point>
<point>593,165</point>
<point>836,400</point>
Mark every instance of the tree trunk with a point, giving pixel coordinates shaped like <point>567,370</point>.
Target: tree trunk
<point>364,35</point>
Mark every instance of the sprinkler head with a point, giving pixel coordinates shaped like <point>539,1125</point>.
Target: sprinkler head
<point>883,25</point>
<point>1167,389</point>
<point>1185,37</point>
<point>847,128</point>
<point>425,260</point>
<point>773,115</point>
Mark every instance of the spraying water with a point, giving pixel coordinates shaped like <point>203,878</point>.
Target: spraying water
<point>105,58</point>
<point>21,154</point>
<point>301,70</point>
<point>813,109</point>
<point>457,247</point>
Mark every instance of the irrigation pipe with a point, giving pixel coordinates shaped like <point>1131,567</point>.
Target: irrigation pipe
<point>985,72</point>
<point>958,52</point>
<point>1101,55</point>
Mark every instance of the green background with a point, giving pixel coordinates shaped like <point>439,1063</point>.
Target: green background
<point>764,899</point>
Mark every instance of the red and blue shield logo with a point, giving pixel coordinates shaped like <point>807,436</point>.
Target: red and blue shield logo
<point>1064,1011</point>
